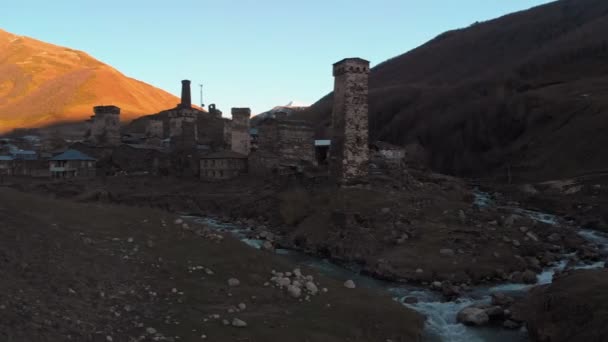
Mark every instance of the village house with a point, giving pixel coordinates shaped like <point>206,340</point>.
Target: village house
<point>222,165</point>
<point>72,163</point>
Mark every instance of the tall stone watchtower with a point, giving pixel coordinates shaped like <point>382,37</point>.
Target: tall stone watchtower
<point>183,121</point>
<point>349,151</point>
<point>105,128</point>
<point>241,139</point>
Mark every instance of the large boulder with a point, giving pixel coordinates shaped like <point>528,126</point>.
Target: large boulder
<point>473,316</point>
<point>573,308</point>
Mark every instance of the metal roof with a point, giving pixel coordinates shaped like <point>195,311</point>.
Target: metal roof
<point>324,142</point>
<point>6,158</point>
<point>72,155</point>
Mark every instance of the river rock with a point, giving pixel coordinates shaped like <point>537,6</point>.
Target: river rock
<point>529,277</point>
<point>267,246</point>
<point>501,299</point>
<point>509,324</point>
<point>473,316</point>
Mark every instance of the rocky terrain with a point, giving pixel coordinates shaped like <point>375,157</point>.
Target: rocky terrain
<point>431,230</point>
<point>100,272</point>
<point>573,308</point>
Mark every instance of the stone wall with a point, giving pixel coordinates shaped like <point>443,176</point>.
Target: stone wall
<point>227,132</point>
<point>240,137</point>
<point>291,142</point>
<point>349,153</point>
<point>296,142</point>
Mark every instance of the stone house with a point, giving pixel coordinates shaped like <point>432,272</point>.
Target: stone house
<point>284,144</point>
<point>72,163</point>
<point>222,165</point>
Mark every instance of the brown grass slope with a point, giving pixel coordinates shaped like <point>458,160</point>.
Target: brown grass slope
<point>528,91</point>
<point>42,84</point>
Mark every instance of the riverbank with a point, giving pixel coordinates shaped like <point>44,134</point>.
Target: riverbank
<point>101,272</point>
<point>429,231</point>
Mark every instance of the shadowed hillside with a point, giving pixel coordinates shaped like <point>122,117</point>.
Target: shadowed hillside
<point>526,92</point>
<point>42,84</point>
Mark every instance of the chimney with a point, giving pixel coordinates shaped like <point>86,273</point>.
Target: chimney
<point>186,99</point>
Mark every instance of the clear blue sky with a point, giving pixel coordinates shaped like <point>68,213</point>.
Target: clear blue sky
<point>250,53</point>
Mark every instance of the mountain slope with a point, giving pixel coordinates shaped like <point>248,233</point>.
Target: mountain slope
<point>526,92</point>
<point>41,84</point>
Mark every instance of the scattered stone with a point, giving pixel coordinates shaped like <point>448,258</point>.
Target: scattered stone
<point>238,323</point>
<point>294,291</point>
<point>233,282</point>
<point>446,252</point>
<point>178,221</point>
<point>532,236</point>
<point>554,237</point>
<point>242,306</point>
<point>312,288</point>
<point>349,284</point>
<point>150,330</point>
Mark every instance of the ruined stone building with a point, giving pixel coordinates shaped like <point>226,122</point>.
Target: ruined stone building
<point>216,113</point>
<point>104,126</point>
<point>239,132</point>
<point>283,144</point>
<point>349,152</point>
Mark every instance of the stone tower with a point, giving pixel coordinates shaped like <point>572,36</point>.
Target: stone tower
<point>105,126</point>
<point>241,139</point>
<point>349,152</point>
<point>183,119</point>
<point>186,97</point>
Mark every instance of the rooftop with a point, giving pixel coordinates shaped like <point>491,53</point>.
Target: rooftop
<point>72,155</point>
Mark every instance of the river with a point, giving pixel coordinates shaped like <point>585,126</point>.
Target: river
<point>441,324</point>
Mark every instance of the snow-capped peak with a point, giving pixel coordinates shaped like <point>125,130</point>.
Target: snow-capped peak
<point>296,104</point>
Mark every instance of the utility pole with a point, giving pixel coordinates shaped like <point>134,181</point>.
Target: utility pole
<point>202,104</point>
